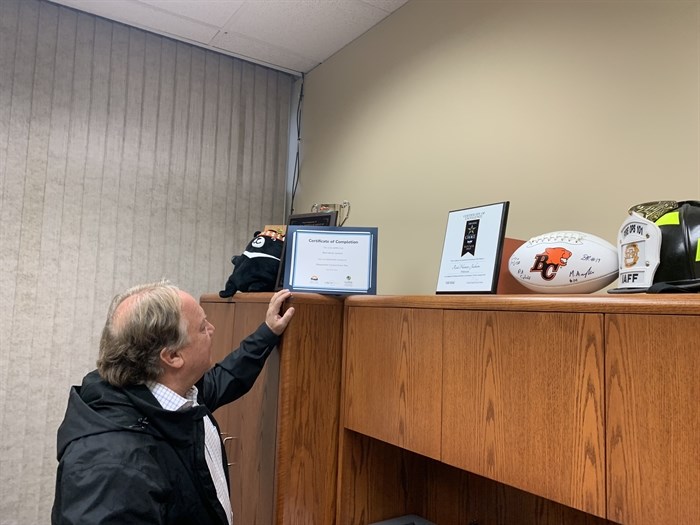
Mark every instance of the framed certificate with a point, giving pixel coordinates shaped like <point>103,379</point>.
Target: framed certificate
<point>471,254</point>
<point>331,260</point>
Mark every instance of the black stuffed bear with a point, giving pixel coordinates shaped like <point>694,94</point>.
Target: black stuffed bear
<point>256,269</point>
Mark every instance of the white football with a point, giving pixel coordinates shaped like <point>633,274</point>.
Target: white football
<point>565,262</point>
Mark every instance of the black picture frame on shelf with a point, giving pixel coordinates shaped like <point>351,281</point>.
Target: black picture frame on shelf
<point>472,250</point>
<point>325,218</point>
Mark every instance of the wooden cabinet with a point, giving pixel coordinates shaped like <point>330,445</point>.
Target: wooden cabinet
<point>468,410</point>
<point>549,409</point>
<point>281,438</point>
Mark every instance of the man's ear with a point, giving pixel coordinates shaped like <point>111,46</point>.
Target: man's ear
<point>171,358</point>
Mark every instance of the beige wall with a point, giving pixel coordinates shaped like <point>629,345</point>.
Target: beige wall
<point>572,111</point>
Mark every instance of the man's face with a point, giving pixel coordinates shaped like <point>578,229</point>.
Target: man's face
<point>197,353</point>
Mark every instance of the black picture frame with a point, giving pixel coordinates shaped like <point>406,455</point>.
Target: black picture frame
<point>322,218</point>
<point>468,266</point>
<point>325,218</point>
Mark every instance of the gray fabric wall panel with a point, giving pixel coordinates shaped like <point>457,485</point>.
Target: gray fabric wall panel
<point>8,261</point>
<point>161,169</point>
<point>124,157</point>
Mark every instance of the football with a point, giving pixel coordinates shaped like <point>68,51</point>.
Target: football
<point>564,262</point>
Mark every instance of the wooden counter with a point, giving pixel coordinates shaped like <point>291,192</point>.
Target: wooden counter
<point>521,409</point>
<point>468,410</point>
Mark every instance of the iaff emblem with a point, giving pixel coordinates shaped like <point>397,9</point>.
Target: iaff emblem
<point>549,262</point>
<point>631,255</point>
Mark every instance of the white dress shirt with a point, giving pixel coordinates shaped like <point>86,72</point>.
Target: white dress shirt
<point>173,401</point>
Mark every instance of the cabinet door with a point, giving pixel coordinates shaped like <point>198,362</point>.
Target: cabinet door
<point>523,402</point>
<point>252,422</point>
<point>393,376</point>
<point>653,439</point>
<point>248,425</point>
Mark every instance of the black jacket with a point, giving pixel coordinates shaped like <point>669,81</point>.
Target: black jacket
<point>125,460</point>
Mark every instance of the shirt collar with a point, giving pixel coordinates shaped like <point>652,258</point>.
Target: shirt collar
<point>171,400</point>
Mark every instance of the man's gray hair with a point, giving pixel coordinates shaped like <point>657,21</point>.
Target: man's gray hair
<point>135,334</point>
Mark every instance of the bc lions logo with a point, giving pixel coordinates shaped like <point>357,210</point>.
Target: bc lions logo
<point>548,263</point>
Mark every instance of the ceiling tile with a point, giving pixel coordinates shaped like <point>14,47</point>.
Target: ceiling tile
<point>292,35</point>
<point>212,12</point>
<point>246,47</point>
<point>145,16</point>
<point>313,28</point>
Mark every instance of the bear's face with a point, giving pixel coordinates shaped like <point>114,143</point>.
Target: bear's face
<point>256,269</point>
<point>264,246</point>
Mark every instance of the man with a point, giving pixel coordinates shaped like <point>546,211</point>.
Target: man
<point>139,443</point>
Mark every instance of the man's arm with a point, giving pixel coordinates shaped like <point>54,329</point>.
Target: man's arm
<point>236,373</point>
